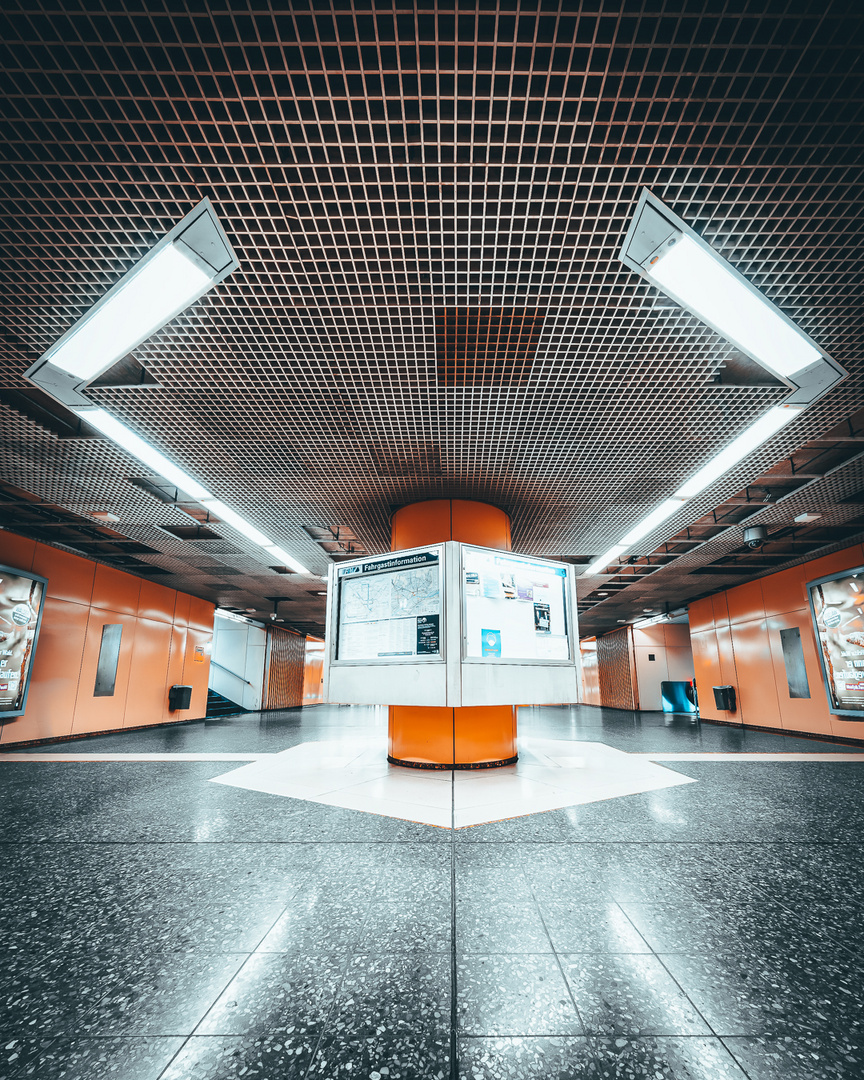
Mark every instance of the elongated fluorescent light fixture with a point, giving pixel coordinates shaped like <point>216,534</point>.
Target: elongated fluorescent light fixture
<point>707,285</point>
<point>142,304</point>
<point>766,426</point>
<point>136,446</point>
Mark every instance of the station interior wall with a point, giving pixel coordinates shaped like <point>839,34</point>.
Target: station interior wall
<point>618,670</point>
<point>165,640</point>
<point>735,636</point>
<point>237,662</point>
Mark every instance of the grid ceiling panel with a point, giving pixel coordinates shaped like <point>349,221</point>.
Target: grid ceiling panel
<point>374,167</point>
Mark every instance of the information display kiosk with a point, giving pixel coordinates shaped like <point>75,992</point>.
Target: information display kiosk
<point>451,624</point>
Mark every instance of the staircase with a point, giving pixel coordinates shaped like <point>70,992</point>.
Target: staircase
<point>221,706</point>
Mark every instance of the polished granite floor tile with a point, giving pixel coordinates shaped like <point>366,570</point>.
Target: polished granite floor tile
<point>405,995</point>
<point>800,1058</point>
<point>782,993</point>
<point>133,1058</point>
<point>630,995</point>
<point>514,995</point>
<point>276,992</point>
<point>318,923</point>
<point>286,1055</point>
<point>408,1056</point>
<point>590,928</point>
<point>500,926</point>
<point>421,925</point>
<point>664,1059</point>
<point>526,1058</point>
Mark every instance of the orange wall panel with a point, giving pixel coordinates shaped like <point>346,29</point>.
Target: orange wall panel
<point>799,714</point>
<point>745,602</point>
<point>156,602</point>
<point>701,615</point>
<point>706,664</point>
<point>69,576</point>
<point>437,520</point>
<point>176,660</point>
<point>103,713</point>
<point>757,690</point>
<point>181,609</point>
<point>113,590</point>
<point>721,608</point>
<point>54,676</point>
<point>81,597</point>
<point>196,671</point>
<point>676,635</point>
<point>749,654</point>
<point>201,614</point>
<point>785,591</point>
<point>147,692</point>
<point>16,551</point>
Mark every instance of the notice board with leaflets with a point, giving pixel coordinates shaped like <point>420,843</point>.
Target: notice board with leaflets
<point>451,624</point>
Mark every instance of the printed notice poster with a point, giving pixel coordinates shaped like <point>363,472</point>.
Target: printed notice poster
<point>542,619</point>
<point>491,642</point>
<point>428,643</point>
<point>837,605</point>
<point>20,607</point>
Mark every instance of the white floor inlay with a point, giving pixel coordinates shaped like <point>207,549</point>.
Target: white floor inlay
<point>548,776</point>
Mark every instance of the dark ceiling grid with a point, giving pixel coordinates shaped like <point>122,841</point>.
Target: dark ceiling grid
<point>364,192</point>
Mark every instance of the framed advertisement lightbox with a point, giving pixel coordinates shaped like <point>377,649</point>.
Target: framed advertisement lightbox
<point>21,597</point>
<point>837,607</point>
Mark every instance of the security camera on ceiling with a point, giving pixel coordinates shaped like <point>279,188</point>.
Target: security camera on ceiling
<point>755,535</point>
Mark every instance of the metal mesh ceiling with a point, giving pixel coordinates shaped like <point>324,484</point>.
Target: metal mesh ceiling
<point>375,167</point>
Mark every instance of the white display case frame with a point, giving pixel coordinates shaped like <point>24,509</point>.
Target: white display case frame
<point>450,679</point>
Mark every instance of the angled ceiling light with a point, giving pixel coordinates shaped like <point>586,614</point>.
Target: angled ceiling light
<point>671,256</point>
<point>190,260</point>
<point>186,263</point>
<point>133,444</point>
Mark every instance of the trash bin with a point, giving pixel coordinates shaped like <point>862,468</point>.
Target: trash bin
<point>179,697</point>
<point>724,697</point>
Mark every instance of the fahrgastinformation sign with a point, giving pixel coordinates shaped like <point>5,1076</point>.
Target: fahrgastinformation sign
<point>21,597</point>
<point>837,606</point>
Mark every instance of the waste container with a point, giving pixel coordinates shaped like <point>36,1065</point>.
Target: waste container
<point>179,697</point>
<point>724,697</point>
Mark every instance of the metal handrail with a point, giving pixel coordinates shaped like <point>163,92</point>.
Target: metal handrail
<point>215,663</point>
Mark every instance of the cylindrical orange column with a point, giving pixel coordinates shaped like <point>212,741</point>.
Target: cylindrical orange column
<point>479,737</point>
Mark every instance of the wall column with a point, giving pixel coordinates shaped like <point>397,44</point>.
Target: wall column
<point>481,737</point>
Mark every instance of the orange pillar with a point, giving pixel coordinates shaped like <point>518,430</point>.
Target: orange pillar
<point>446,738</point>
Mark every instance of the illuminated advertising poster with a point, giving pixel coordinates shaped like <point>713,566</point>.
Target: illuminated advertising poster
<point>837,605</point>
<point>21,597</point>
<point>515,607</point>
<point>390,609</point>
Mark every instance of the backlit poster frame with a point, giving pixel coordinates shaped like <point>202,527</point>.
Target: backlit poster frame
<point>513,661</point>
<point>379,564</point>
<point>827,648</point>
<point>26,671</point>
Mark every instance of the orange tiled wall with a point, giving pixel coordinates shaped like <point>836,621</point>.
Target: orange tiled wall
<point>161,628</point>
<point>736,641</point>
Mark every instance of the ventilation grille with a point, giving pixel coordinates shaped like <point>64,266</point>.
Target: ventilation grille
<point>486,346</point>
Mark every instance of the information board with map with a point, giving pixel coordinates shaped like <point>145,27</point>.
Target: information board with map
<point>390,608</point>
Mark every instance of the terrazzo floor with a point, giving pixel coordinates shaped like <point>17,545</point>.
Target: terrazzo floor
<point>156,925</point>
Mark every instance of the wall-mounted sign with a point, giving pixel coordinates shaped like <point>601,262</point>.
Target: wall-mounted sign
<point>837,606</point>
<point>21,597</point>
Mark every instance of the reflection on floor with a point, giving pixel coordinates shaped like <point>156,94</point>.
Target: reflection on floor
<point>548,776</point>
<point>157,925</point>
